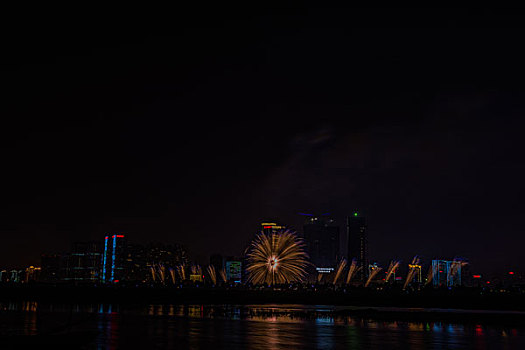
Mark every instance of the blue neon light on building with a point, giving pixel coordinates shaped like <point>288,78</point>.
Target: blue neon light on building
<point>113,258</point>
<point>105,259</point>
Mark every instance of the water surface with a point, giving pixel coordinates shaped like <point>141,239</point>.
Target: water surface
<point>242,327</point>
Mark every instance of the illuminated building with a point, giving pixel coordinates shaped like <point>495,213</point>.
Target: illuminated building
<point>446,273</point>
<point>196,278</point>
<point>113,258</point>
<point>4,276</point>
<point>417,272</point>
<point>321,238</point>
<point>14,276</point>
<point>83,263</point>
<point>358,243</point>
<point>233,270</point>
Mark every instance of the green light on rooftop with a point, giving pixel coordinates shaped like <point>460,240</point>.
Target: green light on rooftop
<point>355,214</point>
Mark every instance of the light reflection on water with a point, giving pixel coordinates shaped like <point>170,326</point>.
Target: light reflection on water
<point>249,327</point>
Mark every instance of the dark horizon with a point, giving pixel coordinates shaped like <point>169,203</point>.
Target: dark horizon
<point>194,127</point>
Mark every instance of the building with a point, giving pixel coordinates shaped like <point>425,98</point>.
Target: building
<point>233,268</point>
<point>32,274</point>
<point>358,243</point>
<point>83,263</point>
<point>113,258</point>
<point>51,266</point>
<point>321,238</point>
<point>154,262</point>
<point>14,276</point>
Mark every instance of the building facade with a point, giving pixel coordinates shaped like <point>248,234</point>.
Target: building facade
<point>358,243</point>
<point>321,238</point>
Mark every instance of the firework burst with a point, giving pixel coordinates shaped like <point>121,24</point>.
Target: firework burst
<point>276,258</point>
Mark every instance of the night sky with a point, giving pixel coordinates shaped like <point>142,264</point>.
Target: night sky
<point>192,126</point>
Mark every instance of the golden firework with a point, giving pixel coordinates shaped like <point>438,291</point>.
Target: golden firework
<point>276,258</point>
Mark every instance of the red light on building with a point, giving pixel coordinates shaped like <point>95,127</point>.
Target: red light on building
<point>488,282</point>
<point>116,281</point>
<point>120,236</point>
<point>511,273</point>
<point>440,271</point>
<point>267,226</point>
<point>476,276</point>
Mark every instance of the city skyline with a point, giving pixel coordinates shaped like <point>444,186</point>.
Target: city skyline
<point>344,249</point>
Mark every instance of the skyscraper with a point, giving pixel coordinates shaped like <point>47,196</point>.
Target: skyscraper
<point>113,259</point>
<point>358,243</point>
<point>321,237</point>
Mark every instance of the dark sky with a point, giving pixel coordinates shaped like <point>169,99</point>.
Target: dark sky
<point>194,125</point>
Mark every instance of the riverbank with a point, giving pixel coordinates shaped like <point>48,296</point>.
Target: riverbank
<point>467,298</point>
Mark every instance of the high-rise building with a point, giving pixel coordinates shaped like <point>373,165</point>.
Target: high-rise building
<point>154,261</point>
<point>358,243</point>
<point>83,263</point>
<point>113,259</point>
<point>321,237</point>
<point>446,273</point>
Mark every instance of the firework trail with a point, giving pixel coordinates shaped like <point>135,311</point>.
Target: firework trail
<point>181,269</point>
<point>162,272</point>
<point>152,269</point>
<point>352,270</point>
<point>276,258</point>
<point>394,264</point>
<point>172,274</point>
<point>413,270</point>
<point>374,272</point>
<point>222,273</point>
<point>319,277</point>
<point>455,267</point>
<point>340,269</point>
<point>213,275</point>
